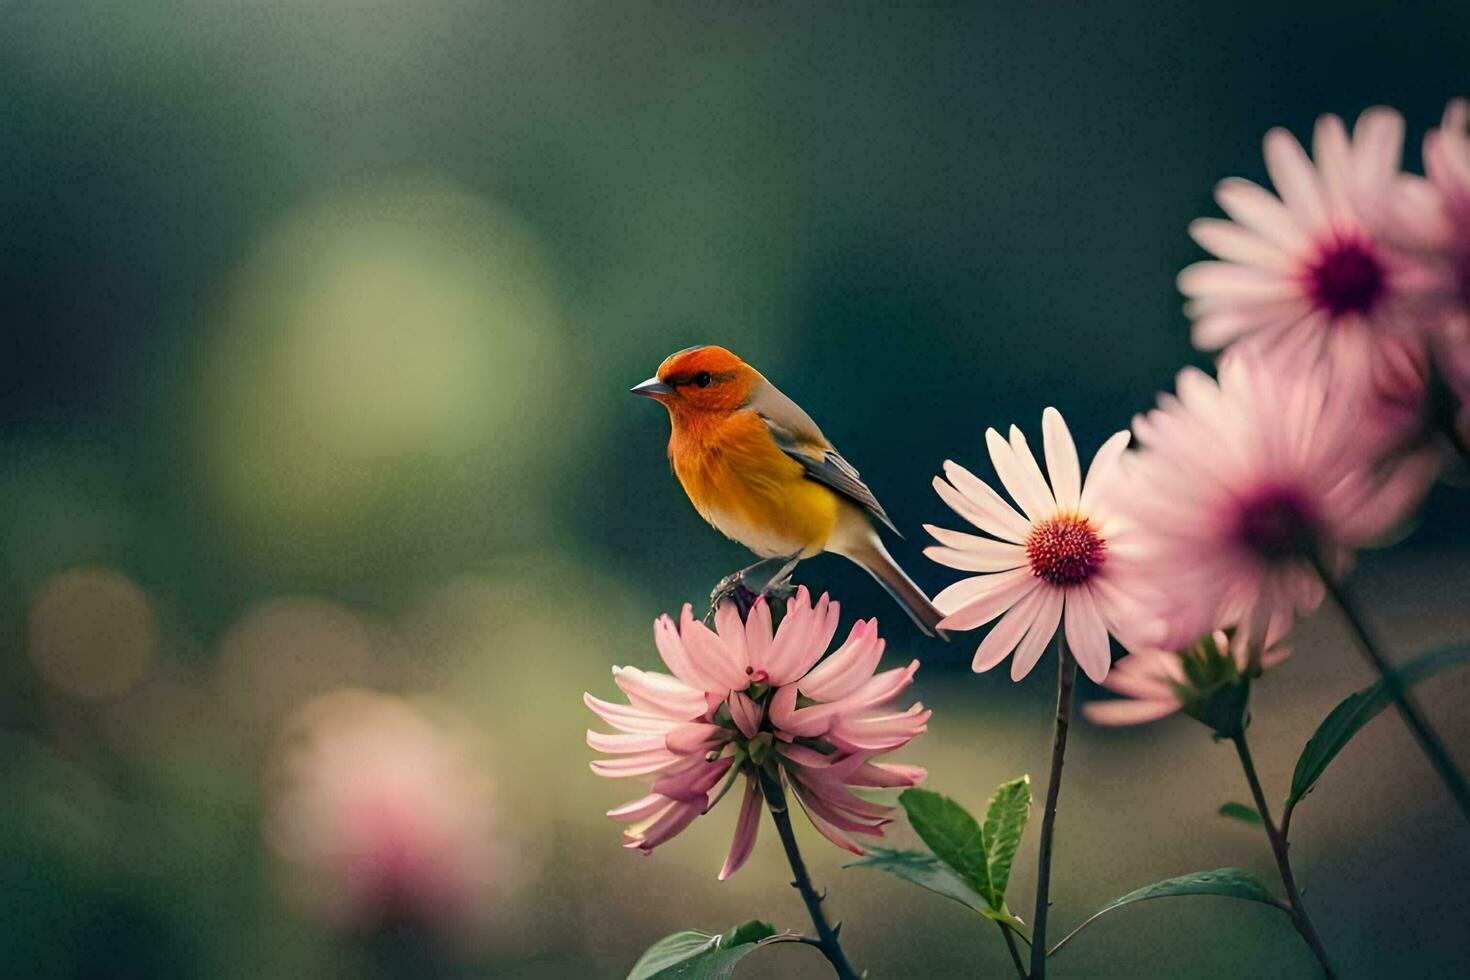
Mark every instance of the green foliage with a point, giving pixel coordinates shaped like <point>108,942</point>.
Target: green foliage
<point>980,856</point>
<point>695,955</point>
<point>1345,720</point>
<point>1241,812</point>
<point>1224,882</point>
<point>1214,691</point>
<point>1005,821</point>
<point>926,871</point>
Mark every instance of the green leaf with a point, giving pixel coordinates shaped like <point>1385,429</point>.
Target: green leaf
<point>924,870</point>
<point>1005,821</point>
<point>981,856</point>
<point>694,955</point>
<point>954,837</point>
<point>1241,812</point>
<point>1224,882</point>
<point>1356,711</point>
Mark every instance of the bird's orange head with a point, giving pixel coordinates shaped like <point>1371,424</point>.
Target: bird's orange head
<point>701,380</point>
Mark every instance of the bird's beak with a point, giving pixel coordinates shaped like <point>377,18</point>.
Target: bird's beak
<point>652,388</point>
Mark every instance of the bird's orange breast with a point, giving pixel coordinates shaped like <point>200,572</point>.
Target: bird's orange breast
<point>741,482</point>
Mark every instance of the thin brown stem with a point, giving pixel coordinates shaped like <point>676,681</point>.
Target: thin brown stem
<point>1279,847</point>
<point>827,939</point>
<point>1066,680</point>
<point>1429,742</point>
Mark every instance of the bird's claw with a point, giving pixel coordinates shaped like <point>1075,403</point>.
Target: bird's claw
<point>731,588</point>
<point>735,588</point>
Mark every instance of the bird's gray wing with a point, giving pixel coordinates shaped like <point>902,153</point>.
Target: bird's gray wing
<point>798,437</point>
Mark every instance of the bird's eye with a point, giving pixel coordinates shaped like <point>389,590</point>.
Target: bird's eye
<point>703,379</point>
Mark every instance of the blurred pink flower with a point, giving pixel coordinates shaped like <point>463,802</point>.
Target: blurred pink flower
<point>1304,274</point>
<point>384,812</point>
<point>1156,683</point>
<point>1066,557</point>
<point>1430,216</point>
<point>741,698</point>
<point>1239,484</point>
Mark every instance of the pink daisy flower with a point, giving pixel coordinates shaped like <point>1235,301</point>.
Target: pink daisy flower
<point>1064,556</point>
<point>1241,484</point>
<point>743,697</point>
<point>1156,683</point>
<point>1302,272</point>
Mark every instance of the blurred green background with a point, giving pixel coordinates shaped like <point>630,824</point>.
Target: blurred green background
<point>319,323</point>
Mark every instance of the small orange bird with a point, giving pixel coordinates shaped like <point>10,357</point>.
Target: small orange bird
<point>757,467</point>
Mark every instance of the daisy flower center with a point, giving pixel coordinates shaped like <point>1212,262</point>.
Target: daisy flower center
<point>1065,550</point>
<point>1348,278</point>
<point>1278,525</point>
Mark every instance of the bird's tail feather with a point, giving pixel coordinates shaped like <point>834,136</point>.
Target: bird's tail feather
<point>875,559</point>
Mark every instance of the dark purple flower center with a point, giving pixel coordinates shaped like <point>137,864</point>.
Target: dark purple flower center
<point>1348,278</point>
<point>1065,550</point>
<point>1278,526</point>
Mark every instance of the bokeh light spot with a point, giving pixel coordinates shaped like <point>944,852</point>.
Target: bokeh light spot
<point>93,633</point>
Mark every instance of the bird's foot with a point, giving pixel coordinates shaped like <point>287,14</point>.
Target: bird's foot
<point>732,588</point>
<point>735,588</point>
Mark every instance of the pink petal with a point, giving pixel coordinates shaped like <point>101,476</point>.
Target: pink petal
<point>624,744</point>
<point>880,733</point>
<point>1128,712</point>
<point>974,500</point>
<point>746,714</point>
<point>666,827</point>
<point>808,722</point>
<point>1061,460</point>
<point>1102,470</point>
<point>988,597</point>
<point>731,630</point>
<point>636,764</point>
<point>887,775</point>
<point>1005,634</point>
<point>1239,283</point>
<point>1295,179</point>
<point>712,655</point>
<point>694,783</point>
<point>1234,243</point>
<point>1255,208</point>
<point>1087,635</point>
<point>973,553</point>
<point>659,692</point>
<point>1020,476</point>
<point>848,666</point>
<point>630,719</point>
<point>827,830</point>
<point>1039,635</point>
<point>641,808</point>
<point>746,828</point>
<point>694,737</point>
<point>758,633</point>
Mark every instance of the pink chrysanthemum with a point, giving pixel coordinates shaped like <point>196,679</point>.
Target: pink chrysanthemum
<point>742,698</point>
<point>1066,556</point>
<point>1157,683</point>
<point>1241,485</point>
<point>1303,273</point>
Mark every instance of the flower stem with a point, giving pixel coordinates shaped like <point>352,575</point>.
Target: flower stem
<point>1005,931</point>
<point>1429,742</point>
<point>1279,847</point>
<point>827,939</point>
<point>1066,680</point>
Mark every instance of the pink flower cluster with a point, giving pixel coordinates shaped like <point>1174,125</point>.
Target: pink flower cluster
<point>1342,305</point>
<point>746,700</point>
